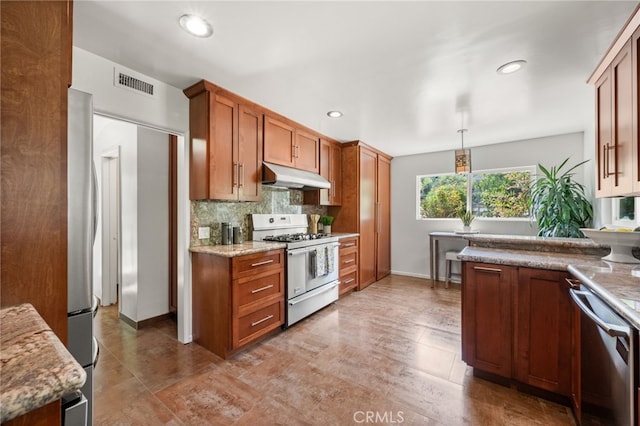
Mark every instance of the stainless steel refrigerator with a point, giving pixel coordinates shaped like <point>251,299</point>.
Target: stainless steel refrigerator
<point>81,227</point>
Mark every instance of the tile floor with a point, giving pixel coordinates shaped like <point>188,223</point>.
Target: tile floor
<point>387,355</point>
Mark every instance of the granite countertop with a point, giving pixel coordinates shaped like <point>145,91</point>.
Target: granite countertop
<point>234,250</point>
<point>36,367</point>
<point>618,284</point>
<point>342,235</point>
<point>535,243</point>
<point>527,258</point>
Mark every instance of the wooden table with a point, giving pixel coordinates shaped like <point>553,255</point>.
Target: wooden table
<point>434,257</point>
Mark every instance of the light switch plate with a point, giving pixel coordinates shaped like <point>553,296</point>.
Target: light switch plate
<point>204,232</point>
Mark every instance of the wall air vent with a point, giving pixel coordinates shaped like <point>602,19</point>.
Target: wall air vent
<point>127,81</point>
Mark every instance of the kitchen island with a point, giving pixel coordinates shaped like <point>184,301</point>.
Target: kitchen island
<point>519,324</point>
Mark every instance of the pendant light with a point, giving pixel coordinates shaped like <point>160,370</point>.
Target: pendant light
<point>463,156</point>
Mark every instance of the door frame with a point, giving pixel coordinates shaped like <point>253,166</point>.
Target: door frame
<point>111,154</point>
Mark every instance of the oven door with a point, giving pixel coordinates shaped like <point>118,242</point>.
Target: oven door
<point>301,276</point>
<point>607,363</point>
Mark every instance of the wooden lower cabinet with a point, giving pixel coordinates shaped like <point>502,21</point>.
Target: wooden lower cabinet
<point>517,324</point>
<point>543,330</point>
<point>487,317</point>
<point>348,264</point>
<point>237,300</point>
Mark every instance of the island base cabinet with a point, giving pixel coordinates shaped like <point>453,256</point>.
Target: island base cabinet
<point>543,330</point>
<point>487,318</point>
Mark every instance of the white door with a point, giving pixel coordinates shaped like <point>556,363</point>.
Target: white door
<point>110,229</point>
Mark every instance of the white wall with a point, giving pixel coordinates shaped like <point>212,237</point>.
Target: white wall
<point>153,222</point>
<point>108,134</point>
<point>410,236</point>
<point>167,110</point>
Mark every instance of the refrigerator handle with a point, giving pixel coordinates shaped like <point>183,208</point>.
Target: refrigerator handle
<point>94,201</point>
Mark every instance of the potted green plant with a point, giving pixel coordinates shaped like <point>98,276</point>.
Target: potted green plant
<point>467,217</point>
<point>326,222</point>
<point>559,204</point>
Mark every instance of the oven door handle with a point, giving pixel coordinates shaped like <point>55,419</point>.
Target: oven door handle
<point>610,329</point>
<point>295,252</point>
<point>314,293</point>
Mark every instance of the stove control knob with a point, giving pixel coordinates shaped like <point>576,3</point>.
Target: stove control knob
<point>271,220</point>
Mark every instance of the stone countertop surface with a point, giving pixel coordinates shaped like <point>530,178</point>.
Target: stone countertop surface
<point>234,250</point>
<point>342,235</point>
<point>527,258</point>
<point>36,368</point>
<point>535,243</point>
<point>618,284</point>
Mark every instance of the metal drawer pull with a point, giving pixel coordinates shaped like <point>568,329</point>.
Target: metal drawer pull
<point>262,263</point>
<point>573,283</point>
<point>349,261</point>
<point>349,245</point>
<point>258,290</point>
<point>268,317</point>
<point>482,268</point>
<point>350,280</point>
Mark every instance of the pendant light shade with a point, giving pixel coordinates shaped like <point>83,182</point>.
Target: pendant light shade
<point>463,156</point>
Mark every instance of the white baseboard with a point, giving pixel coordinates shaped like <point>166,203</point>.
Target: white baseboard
<point>411,274</point>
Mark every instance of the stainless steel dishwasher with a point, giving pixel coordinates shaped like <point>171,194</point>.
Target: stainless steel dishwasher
<point>608,363</point>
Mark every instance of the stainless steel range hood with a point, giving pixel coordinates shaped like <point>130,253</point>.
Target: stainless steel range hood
<point>287,177</point>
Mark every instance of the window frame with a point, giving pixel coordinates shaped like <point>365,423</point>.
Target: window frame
<point>533,171</point>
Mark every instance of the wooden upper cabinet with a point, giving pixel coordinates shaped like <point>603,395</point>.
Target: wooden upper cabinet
<point>614,127</point>
<point>307,151</point>
<point>226,145</point>
<point>543,322</point>
<point>286,145</point>
<point>331,170</point>
<point>617,115</point>
<point>279,142</point>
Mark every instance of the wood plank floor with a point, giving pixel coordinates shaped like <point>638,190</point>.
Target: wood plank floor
<point>387,355</point>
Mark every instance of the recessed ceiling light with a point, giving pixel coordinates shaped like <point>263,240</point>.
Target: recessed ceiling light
<point>511,67</point>
<point>334,114</point>
<point>195,25</point>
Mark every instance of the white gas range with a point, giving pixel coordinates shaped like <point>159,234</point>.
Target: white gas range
<point>311,266</point>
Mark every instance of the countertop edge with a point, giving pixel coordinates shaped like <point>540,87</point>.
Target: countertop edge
<point>37,368</point>
<point>235,250</point>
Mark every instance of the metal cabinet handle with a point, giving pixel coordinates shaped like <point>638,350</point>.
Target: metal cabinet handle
<point>485,269</point>
<point>268,317</point>
<point>241,174</point>
<point>258,290</point>
<point>349,245</point>
<point>265,262</point>
<point>605,154</point>
<point>573,283</point>
<point>350,280</point>
<point>349,261</point>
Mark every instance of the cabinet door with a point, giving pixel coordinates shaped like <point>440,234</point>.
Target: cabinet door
<point>543,330</point>
<point>635,51</point>
<point>325,171</point>
<point>223,153</point>
<point>486,317</point>
<point>621,157</point>
<point>307,151</point>
<point>335,174</point>
<point>278,142</point>
<point>250,154</point>
<point>604,131</point>
<point>383,218</point>
<point>367,182</point>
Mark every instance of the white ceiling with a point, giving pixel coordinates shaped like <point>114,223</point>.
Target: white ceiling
<point>406,75</point>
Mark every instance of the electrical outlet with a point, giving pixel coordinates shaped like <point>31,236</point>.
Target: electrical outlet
<point>204,232</point>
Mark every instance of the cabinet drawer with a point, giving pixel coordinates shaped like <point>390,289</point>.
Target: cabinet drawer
<point>348,260</point>
<point>348,245</point>
<point>260,322</point>
<point>257,263</point>
<point>348,282</point>
<point>258,288</point>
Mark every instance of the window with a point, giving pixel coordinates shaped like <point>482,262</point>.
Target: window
<point>487,193</point>
<point>624,211</point>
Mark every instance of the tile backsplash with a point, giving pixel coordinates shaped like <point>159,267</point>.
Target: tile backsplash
<point>212,213</point>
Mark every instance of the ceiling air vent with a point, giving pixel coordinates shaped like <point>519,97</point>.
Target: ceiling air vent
<point>129,82</point>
